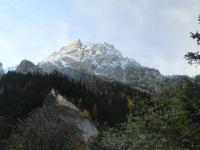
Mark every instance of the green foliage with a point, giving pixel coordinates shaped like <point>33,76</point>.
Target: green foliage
<point>43,131</point>
<point>170,120</point>
<point>106,102</point>
<point>194,57</point>
<point>115,138</point>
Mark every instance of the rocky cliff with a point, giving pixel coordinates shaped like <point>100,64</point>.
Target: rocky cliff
<point>102,60</point>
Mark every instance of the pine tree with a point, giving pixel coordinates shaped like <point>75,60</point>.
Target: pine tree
<point>194,57</point>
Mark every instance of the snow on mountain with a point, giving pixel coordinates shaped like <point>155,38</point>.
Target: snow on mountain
<point>102,60</point>
<point>85,61</point>
<point>95,58</point>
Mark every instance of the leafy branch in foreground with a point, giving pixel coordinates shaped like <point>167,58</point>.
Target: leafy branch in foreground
<point>194,57</point>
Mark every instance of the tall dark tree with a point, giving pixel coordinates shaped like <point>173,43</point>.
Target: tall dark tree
<point>194,57</point>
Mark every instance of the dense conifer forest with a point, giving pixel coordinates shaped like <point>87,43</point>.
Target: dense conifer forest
<point>20,94</point>
<point>127,118</point>
<point>170,120</point>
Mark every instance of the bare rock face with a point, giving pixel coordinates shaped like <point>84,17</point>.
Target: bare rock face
<point>26,66</point>
<point>84,129</point>
<point>99,59</point>
<point>81,61</point>
<point>103,60</point>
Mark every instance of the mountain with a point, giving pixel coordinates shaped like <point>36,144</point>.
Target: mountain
<point>102,60</point>
<point>43,109</point>
<point>90,61</point>
<point>70,115</point>
<point>27,66</point>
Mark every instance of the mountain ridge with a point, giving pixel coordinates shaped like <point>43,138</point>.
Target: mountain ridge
<point>100,59</point>
<point>93,55</point>
<point>82,61</point>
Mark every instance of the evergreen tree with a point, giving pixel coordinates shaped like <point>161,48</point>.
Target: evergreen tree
<point>194,57</point>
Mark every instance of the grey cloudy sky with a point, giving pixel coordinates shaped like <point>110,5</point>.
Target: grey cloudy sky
<point>153,32</point>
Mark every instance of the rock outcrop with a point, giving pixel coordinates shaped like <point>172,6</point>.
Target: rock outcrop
<point>83,61</point>
<point>102,60</point>
<point>85,130</point>
<point>26,66</point>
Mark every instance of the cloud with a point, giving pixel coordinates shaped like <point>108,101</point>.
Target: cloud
<point>154,32</point>
<point>30,38</point>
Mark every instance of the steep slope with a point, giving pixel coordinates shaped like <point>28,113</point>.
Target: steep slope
<point>102,60</point>
<point>71,115</point>
<point>57,124</point>
<point>26,66</point>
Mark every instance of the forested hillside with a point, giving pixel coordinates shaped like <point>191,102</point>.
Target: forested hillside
<point>108,103</point>
<point>126,118</point>
<point>170,120</point>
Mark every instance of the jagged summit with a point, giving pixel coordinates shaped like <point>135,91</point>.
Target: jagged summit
<point>92,57</point>
<point>75,44</point>
<point>101,59</point>
<point>83,61</point>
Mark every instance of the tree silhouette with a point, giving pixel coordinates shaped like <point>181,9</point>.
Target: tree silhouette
<point>194,57</point>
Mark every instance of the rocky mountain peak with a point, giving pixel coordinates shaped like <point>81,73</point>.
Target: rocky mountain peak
<point>27,66</point>
<point>75,44</point>
<point>90,56</point>
<point>101,59</point>
<point>25,61</point>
